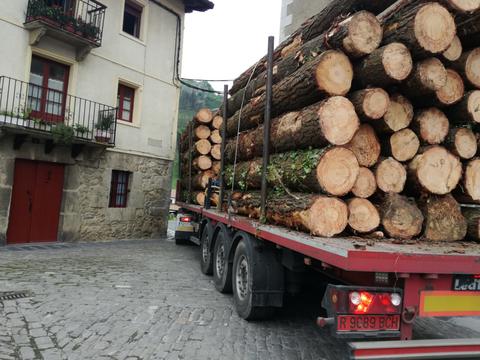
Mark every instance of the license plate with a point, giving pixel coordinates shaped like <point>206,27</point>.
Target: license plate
<point>368,322</point>
<point>466,283</point>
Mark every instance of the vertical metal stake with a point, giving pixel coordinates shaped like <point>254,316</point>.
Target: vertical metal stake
<point>224,140</point>
<point>190,150</point>
<point>266,127</point>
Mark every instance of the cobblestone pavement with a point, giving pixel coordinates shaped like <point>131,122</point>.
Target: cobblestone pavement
<point>147,300</point>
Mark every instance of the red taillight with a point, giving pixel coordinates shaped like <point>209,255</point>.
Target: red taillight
<point>364,302</point>
<point>476,276</point>
<point>185,219</point>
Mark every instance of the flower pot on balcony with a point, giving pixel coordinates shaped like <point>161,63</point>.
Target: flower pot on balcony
<point>103,136</point>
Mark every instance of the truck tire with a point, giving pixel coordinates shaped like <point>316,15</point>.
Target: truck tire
<point>242,279</point>
<point>222,268</point>
<point>206,258</point>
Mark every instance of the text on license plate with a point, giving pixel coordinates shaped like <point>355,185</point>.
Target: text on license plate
<point>368,322</point>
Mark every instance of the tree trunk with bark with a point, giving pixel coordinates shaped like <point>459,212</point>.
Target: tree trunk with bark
<point>443,219</point>
<point>403,145</point>
<point>390,175</point>
<point>431,125</point>
<point>331,170</point>
<point>370,103</point>
<point>386,66</point>
<point>462,142</point>
<point>365,145</point>
<point>328,74</point>
<point>365,185</point>
<point>427,77</point>
<point>473,223</point>
<point>331,121</point>
<point>200,181</point>
<point>468,66</point>
<point>363,216</point>
<point>468,29</point>
<point>316,214</point>
<point>426,28</point>
<point>401,218</point>
<point>467,111</point>
<point>435,171</point>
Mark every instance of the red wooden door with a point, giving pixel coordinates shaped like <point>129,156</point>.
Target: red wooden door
<point>36,201</point>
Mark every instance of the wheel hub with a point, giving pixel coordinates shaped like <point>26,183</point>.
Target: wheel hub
<point>241,278</point>
<point>220,260</point>
<point>205,251</point>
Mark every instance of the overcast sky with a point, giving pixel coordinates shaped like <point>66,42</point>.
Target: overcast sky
<point>223,42</point>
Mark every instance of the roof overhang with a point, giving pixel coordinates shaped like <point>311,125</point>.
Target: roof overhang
<point>197,5</point>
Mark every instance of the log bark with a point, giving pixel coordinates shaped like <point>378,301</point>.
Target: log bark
<point>454,51</point>
<point>371,103</point>
<point>403,145</point>
<point>462,142</point>
<point>365,145</point>
<point>443,219</point>
<point>366,184</point>
<point>332,170</point>
<point>471,180</point>
<point>204,116</point>
<point>309,30</point>
<point>401,218</point>
<point>328,74</point>
<point>467,111</point>
<point>436,171</point>
<point>399,115</point>
<point>201,132</point>
<point>215,137</point>
<point>473,223</point>
<point>463,6</point>
<point>318,215</point>
<point>468,29</point>
<point>330,121</point>
<point>217,122</point>
<point>363,216</point>
<point>216,152</point>
<point>200,181</point>
<point>202,163</point>
<point>386,66</point>
<point>427,77</point>
<point>426,28</point>
<point>390,176</point>
<point>202,147</point>
<point>431,125</point>
<point>468,66</point>
<point>216,167</point>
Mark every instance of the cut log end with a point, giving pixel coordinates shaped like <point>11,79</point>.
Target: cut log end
<point>365,145</point>
<point>472,67</point>
<point>433,126</point>
<point>363,215</point>
<point>453,90</point>
<point>338,120</point>
<point>366,185</point>
<point>437,170</point>
<point>391,176</point>
<point>432,74</point>
<point>404,145</point>
<point>434,28</point>
<point>217,122</point>
<point>204,116</point>
<point>334,73</point>
<point>397,61</point>
<point>337,171</point>
<point>371,103</point>
<point>364,34</point>
<point>399,114</point>
<point>216,152</point>
<point>465,5</point>
<point>401,218</point>
<point>203,147</point>
<point>199,198</point>
<point>463,143</point>
<point>202,163</point>
<point>472,179</point>
<point>473,105</point>
<point>454,51</point>
<point>215,137</point>
<point>202,132</point>
<point>327,216</point>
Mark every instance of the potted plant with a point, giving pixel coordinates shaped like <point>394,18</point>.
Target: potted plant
<point>63,134</point>
<point>91,31</point>
<point>105,122</point>
<point>81,131</point>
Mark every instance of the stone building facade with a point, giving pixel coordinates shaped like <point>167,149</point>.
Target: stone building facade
<point>88,117</point>
<point>295,12</point>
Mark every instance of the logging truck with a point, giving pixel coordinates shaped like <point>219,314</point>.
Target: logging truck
<point>351,151</point>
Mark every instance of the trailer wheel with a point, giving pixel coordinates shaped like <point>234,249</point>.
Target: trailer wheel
<point>222,268</point>
<point>206,259</point>
<point>243,277</point>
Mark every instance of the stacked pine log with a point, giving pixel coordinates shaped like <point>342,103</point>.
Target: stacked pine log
<point>376,123</point>
<point>201,142</point>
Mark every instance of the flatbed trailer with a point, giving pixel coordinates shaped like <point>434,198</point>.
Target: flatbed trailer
<point>433,279</point>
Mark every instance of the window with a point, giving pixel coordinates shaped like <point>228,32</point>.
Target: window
<point>125,102</point>
<point>132,19</point>
<point>119,189</point>
<point>48,89</point>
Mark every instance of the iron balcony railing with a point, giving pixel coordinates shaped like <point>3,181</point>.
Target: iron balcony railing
<point>64,116</point>
<point>84,18</point>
